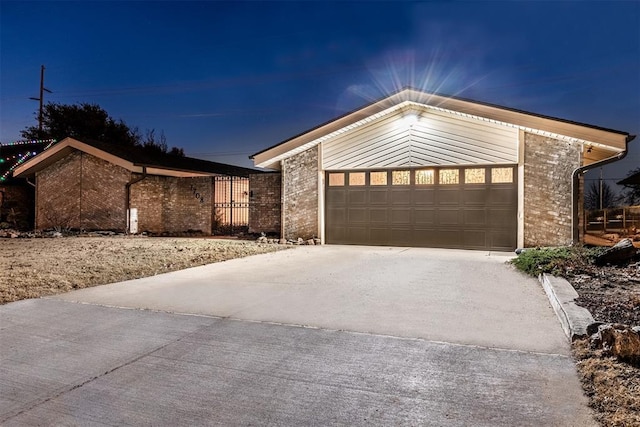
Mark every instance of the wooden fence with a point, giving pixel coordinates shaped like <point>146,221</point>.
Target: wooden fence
<point>613,220</point>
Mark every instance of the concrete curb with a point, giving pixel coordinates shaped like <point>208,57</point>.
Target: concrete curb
<point>573,318</point>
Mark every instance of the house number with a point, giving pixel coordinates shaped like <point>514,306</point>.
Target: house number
<point>196,194</point>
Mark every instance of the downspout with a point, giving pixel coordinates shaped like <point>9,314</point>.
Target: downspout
<point>575,187</point>
<point>128,192</point>
<point>35,203</point>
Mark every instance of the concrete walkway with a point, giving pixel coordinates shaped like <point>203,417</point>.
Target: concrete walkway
<point>391,336</point>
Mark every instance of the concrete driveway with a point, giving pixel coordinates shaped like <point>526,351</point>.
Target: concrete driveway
<point>325,335</point>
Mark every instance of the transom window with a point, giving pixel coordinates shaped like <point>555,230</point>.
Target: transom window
<point>501,175</point>
<point>378,178</point>
<point>474,176</point>
<point>425,177</point>
<point>356,178</point>
<point>400,177</point>
<point>449,176</point>
<point>336,179</point>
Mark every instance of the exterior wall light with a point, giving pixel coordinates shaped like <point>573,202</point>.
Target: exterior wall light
<point>410,118</point>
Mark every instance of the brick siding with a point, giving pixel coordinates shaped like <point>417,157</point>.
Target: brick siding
<point>548,169</point>
<point>17,205</point>
<point>84,192</point>
<point>265,203</point>
<point>300,195</point>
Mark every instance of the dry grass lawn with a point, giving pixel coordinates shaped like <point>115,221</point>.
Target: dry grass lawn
<point>30,268</point>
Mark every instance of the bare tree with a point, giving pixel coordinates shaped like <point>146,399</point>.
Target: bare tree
<point>594,200</point>
<point>631,192</point>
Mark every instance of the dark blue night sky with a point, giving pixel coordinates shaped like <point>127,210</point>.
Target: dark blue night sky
<point>226,79</point>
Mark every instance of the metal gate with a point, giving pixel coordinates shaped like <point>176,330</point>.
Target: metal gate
<point>230,204</point>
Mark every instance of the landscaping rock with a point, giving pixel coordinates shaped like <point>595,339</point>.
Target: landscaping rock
<point>311,242</point>
<point>618,340</point>
<point>619,253</point>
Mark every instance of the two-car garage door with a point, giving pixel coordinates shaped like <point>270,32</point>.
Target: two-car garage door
<point>450,207</point>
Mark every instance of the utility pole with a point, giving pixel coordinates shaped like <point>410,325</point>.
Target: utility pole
<point>41,98</point>
<point>601,188</point>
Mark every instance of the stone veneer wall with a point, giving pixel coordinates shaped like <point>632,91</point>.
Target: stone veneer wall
<point>170,205</point>
<point>81,192</point>
<point>548,168</point>
<point>300,195</point>
<point>265,203</point>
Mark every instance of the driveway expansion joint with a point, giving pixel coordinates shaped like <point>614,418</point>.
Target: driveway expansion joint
<point>95,377</point>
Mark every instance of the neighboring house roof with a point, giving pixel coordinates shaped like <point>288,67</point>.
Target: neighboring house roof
<point>131,158</point>
<point>631,180</point>
<point>602,142</point>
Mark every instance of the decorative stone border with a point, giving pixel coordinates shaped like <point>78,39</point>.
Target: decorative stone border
<point>573,318</point>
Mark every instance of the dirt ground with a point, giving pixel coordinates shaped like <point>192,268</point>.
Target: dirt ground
<point>612,295</point>
<point>30,268</point>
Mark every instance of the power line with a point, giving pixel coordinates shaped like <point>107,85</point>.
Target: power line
<point>41,98</point>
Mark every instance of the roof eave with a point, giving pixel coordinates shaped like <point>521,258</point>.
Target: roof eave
<point>616,139</point>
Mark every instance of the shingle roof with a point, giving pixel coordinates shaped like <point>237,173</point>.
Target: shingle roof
<point>143,157</point>
<point>135,156</point>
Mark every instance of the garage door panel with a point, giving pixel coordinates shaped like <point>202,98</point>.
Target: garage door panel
<point>358,215</point>
<point>357,234</point>
<point>449,238</point>
<point>400,216</point>
<point>474,196</point>
<point>357,197</point>
<point>499,217</point>
<point>501,240</point>
<point>337,197</point>
<point>378,196</point>
<point>423,196</point>
<point>425,237</point>
<point>471,214</point>
<point>338,234</point>
<point>449,217</point>
<point>378,215</point>
<point>401,236</point>
<point>449,196</point>
<point>474,239</point>
<point>400,196</point>
<point>424,216</point>
<point>337,216</point>
<point>501,196</point>
<point>475,216</point>
<point>380,236</point>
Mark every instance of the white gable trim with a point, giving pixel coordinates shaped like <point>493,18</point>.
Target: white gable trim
<point>415,106</point>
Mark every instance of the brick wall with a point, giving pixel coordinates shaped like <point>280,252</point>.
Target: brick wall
<point>188,205</point>
<point>169,205</point>
<point>265,203</point>
<point>84,192</point>
<point>81,192</point>
<point>17,205</point>
<point>300,195</point>
<point>103,195</point>
<point>548,168</point>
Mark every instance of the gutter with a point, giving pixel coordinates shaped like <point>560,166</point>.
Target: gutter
<point>128,192</point>
<point>575,186</point>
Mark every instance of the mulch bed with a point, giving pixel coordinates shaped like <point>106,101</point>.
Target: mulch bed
<point>612,295</point>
